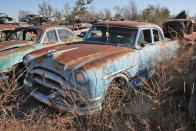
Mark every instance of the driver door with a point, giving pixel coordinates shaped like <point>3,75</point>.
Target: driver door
<point>147,52</point>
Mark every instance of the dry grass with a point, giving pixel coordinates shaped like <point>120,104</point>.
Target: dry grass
<point>165,91</point>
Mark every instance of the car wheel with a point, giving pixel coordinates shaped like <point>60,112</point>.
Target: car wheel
<point>117,95</point>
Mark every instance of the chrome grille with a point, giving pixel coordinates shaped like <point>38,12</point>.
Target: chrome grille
<point>47,82</point>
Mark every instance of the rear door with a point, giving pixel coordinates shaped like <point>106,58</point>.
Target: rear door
<point>146,53</point>
<point>166,49</point>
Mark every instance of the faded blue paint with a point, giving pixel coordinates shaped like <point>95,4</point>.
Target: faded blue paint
<point>140,61</point>
<point>14,53</point>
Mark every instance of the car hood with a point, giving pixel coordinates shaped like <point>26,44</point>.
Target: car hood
<point>78,55</point>
<point>13,44</point>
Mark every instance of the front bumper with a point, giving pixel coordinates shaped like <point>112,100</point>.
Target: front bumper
<point>53,100</point>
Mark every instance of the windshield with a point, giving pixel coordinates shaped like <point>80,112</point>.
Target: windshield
<point>25,34</point>
<point>112,35</point>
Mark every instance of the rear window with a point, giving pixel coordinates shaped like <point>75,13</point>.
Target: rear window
<point>50,36</point>
<point>25,34</point>
<point>65,34</point>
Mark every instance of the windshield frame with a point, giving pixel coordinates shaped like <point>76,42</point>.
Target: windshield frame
<point>110,26</point>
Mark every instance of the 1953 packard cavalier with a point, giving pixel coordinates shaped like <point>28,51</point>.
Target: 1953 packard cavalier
<point>27,39</point>
<point>77,76</point>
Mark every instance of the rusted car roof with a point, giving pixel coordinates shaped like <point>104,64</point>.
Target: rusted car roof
<point>8,27</point>
<point>45,27</point>
<point>128,24</point>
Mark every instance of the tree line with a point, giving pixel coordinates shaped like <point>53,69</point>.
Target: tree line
<point>82,9</point>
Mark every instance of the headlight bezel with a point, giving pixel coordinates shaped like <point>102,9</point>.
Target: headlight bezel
<point>79,80</point>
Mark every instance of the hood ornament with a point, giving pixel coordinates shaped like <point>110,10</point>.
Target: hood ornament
<point>50,52</point>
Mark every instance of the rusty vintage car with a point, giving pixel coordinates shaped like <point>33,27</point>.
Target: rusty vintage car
<point>34,19</point>
<point>81,28</point>
<point>76,77</point>
<point>180,28</point>
<point>5,30</point>
<point>27,39</point>
<point>4,18</point>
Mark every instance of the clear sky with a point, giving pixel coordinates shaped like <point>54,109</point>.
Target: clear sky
<point>12,7</point>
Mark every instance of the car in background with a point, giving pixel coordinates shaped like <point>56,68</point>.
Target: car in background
<point>180,29</point>
<point>76,77</point>
<point>80,28</point>
<point>5,30</point>
<point>34,19</point>
<point>27,39</point>
<point>4,19</point>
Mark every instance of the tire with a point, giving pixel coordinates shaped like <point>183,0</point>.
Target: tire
<point>117,94</point>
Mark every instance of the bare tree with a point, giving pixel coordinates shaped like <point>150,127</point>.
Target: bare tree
<point>130,12</point>
<point>107,13</point>
<point>91,12</point>
<point>57,15</point>
<point>23,13</point>
<point>118,12</point>
<point>45,9</point>
<point>155,14</point>
<point>78,10</point>
<point>67,12</point>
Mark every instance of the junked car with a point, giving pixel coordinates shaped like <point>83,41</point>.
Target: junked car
<point>181,28</point>
<point>27,39</point>
<point>4,19</point>
<point>81,28</point>
<point>76,77</point>
<point>5,30</point>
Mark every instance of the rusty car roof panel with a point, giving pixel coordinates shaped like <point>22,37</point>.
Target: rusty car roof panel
<point>10,44</point>
<point>128,24</point>
<point>42,27</point>
<point>8,27</point>
<point>45,27</point>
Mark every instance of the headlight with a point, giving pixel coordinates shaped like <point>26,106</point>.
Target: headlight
<point>81,77</point>
<point>26,60</point>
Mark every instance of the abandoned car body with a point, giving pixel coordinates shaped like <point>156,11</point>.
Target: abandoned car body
<point>5,30</point>
<point>26,39</point>
<point>76,77</point>
<point>180,28</point>
<point>4,19</point>
<point>34,19</point>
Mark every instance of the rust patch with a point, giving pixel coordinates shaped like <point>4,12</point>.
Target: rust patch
<point>8,27</point>
<point>128,24</point>
<point>9,44</point>
<point>66,41</point>
<point>50,43</point>
<point>87,52</point>
<point>45,27</point>
<point>45,50</point>
<point>14,51</point>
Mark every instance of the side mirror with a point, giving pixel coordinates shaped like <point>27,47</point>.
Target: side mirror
<point>142,45</point>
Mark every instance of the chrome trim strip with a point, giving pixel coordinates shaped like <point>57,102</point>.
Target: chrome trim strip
<point>106,77</point>
<point>50,75</point>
